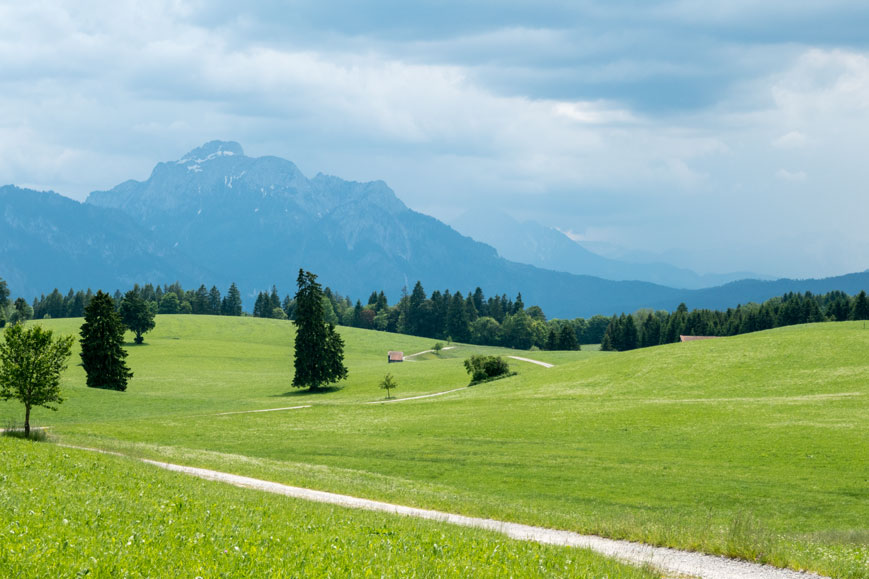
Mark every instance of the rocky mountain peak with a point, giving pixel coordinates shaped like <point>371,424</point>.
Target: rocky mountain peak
<point>211,150</point>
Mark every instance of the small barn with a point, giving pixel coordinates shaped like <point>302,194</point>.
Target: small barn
<point>692,338</point>
<point>395,356</point>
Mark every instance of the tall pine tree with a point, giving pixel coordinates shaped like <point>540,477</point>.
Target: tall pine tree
<point>319,349</point>
<point>102,340</point>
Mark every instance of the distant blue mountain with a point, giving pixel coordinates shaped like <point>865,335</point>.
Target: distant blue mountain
<point>218,216</point>
<point>48,241</point>
<point>546,247</point>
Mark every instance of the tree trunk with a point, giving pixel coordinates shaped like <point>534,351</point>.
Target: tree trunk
<point>27,421</point>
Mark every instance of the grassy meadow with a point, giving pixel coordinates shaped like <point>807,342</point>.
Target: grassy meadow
<point>106,516</point>
<point>754,446</point>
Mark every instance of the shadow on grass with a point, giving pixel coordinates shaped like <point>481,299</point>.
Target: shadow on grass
<point>37,434</point>
<point>307,392</point>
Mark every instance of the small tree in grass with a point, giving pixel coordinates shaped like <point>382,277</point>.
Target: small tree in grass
<point>437,348</point>
<point>388,383</point>
<point>31,361</point>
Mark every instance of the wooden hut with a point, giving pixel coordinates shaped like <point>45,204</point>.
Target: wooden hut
<point>395,356</point>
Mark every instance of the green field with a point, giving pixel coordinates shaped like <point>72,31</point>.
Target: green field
<point>105,516</point>
<point>754,446</point>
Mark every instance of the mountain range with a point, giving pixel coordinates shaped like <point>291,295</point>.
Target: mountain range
<point>547,247</point>
<point>217,216</point>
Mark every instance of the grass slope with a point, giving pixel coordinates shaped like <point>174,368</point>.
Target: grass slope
<point>70,513</point>
<point>753,446</point>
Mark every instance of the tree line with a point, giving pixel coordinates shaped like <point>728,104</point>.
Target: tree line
<point>645,328</point>
<point>472,318</point>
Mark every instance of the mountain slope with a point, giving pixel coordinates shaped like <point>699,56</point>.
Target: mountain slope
<point>48,241</point>
<point>258,220</point>
<point>218,216</point>
<point>532,243</point>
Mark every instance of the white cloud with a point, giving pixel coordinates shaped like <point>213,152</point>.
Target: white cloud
<point>93,95</point>
<point>792,176</point>
<point>791,140</point>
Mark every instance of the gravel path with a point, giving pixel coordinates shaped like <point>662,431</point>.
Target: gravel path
<point>538,362</point>
<point>264,410</point>
<point>416,397</point>
<point>427,351</point>
<point>669,561</point>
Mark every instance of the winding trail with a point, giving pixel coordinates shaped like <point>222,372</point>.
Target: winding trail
<point>668,561</point>
<point>428,351</point>
<point>263,410</point>
<point>538,362</point>
<point>416,397</point>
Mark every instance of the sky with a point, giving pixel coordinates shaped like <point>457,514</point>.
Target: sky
<point>721,136</point>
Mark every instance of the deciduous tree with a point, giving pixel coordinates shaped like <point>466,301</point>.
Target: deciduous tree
<point>388,383</point>
<point>31,361</point>
<point>136,315</point>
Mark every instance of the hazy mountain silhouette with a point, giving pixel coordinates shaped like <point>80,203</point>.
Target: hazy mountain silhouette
<point>218,216</point>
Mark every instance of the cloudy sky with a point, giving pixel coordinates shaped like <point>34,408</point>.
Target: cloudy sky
<point>729,135</point>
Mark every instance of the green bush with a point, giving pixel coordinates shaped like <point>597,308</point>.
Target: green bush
<point>483,368</point>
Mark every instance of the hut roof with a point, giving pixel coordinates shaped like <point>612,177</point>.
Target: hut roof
<point>692,338</point>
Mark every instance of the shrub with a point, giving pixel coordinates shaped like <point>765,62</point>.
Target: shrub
<point>482,368</point>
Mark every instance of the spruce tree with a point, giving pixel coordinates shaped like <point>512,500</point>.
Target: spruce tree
<point>567,338</point>
<point>458,327</point>
<point>319,349</point>
<point>552,340</point>
<point>102,340</point>
<point>231,305</point>
<point>861,306</point>
<point>214,301</point>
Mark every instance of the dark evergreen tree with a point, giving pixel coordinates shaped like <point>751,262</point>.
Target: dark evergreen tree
<point>136,315</point>
<point>102,340</point>
<point>608,341</point>
<point>319,350</point>
<point>552,340</point>
<point>471,309</point>
<point>518,305</point>
<point>231,305</point>
<point>458,327</point>
<point>861,306</point>
<point>480,302</point>
<point>200,301</point>
<point>261,307</point>
<point>382,303</point>
<point>4,294</point>
<point>274,300</point>
<point>214,301</point>
<point>839,309</point>
<point>651,333</point>
<point>567,338</point>
<point>356,321</point>
<point>414,323</point>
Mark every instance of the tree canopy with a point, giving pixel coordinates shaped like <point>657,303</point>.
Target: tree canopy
<point>31,362</point>
<point>136,315</point>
